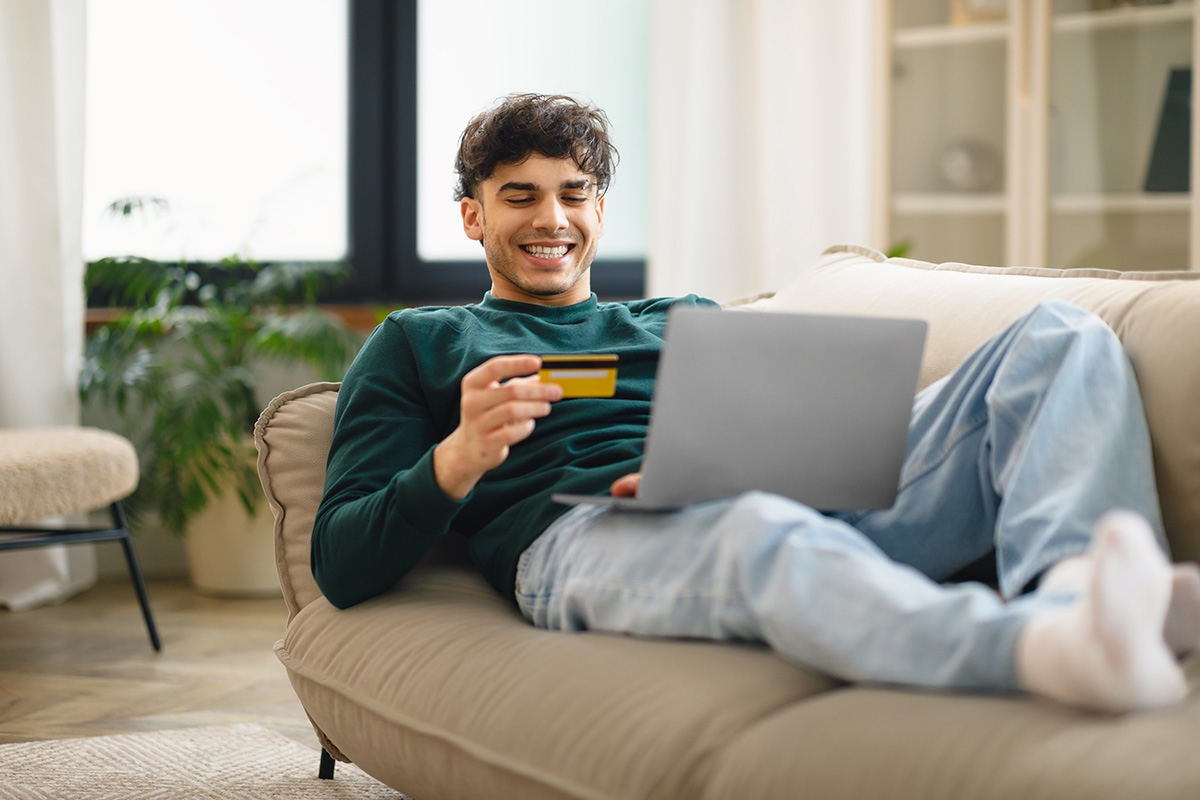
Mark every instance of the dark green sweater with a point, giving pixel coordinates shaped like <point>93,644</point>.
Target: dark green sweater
<point>382,508</point>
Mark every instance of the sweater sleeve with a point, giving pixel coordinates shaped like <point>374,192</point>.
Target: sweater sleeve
<point>382,508</point>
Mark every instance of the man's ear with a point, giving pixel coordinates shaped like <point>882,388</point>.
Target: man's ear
<point>600,215</point>
<point>472,217</point>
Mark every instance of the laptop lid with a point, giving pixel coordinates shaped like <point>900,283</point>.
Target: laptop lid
<point>812,407</point>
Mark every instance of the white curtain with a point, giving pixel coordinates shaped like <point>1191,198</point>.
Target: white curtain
<point>42,69</point>
<point>760,140</point>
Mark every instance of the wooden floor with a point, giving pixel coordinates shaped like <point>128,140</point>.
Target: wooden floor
<point>86,668</point>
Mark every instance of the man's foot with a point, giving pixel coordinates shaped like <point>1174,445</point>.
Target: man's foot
<point>1107,651</point>
<point>1181,629</point>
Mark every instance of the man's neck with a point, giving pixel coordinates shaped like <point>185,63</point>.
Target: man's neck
<point>578,293</point>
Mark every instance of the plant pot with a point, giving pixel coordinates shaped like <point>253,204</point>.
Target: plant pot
<point>230,553</point>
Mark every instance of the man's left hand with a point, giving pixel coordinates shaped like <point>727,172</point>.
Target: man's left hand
<point>627,485</point>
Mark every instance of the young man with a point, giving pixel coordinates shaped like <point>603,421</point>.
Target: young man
<point>1021,451</point>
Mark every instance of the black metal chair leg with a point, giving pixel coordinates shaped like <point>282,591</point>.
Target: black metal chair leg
<point>327,766</point>
<point>135,574</point>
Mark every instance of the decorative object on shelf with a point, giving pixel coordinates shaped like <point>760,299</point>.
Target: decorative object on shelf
<point>969,165</point>
<point>1170,160</point>
<point>965,12</point>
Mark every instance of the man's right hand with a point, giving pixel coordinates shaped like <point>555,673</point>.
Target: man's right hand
<point>498,409</point>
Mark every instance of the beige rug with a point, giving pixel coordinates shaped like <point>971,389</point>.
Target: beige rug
<point>229,762</point>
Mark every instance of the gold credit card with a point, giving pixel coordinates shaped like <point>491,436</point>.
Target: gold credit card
<point>581,375</point>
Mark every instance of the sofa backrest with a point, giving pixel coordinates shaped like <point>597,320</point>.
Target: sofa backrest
<point>1155,314</point>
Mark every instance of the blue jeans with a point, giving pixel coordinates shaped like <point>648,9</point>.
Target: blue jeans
<point>1019,451</point>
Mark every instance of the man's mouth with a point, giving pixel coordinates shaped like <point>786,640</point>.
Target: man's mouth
<point>542,251</point>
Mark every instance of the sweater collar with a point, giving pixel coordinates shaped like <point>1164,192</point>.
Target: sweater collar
<point>573,313</point>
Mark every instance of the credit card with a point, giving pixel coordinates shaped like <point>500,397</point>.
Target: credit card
<point>581,375</point>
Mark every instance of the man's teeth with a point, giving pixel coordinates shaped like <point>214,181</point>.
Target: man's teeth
<point>546,252</point>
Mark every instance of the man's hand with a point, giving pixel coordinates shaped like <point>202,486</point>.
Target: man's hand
<point>627,485</point>
<point>498,410</point>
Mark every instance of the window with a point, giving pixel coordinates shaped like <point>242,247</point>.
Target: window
<point>326,130</point>
<point>422,69</point>
<point>233,113</point>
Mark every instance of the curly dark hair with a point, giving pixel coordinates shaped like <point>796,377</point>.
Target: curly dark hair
<point>555,126</point>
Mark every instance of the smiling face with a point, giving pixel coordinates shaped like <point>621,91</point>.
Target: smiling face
<point>540,221</point>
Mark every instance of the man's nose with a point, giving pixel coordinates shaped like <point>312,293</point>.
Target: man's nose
<point>551,216</point>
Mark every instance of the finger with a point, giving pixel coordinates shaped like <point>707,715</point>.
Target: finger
<point>490,448</point>
<point>627,485</point>
<point>533,388</point>
<point>511,413</point>
<point>499,368</point>
<point>479,402</point>
<point>498,441</point>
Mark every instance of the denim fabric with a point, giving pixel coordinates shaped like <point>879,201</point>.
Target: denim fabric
<point>1039,432</point>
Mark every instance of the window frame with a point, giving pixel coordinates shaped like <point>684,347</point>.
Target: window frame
<point>385,264</point>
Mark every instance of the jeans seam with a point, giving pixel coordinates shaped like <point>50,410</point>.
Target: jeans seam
<point>632,590</point>
<point>974,423</point>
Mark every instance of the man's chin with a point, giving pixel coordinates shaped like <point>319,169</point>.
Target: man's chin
<point>552,286</point>
<point>548,291</point>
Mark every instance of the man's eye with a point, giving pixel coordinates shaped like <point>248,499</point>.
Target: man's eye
<point>576,199</point>
<point>520,201</point>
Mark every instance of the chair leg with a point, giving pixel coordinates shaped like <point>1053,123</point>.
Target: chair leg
<point>327,766</point>
<point>135,573</point>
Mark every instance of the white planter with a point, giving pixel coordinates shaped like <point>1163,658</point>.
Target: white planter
<point>230,553</point>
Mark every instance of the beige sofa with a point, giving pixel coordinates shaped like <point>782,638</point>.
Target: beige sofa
<point>440,689</point>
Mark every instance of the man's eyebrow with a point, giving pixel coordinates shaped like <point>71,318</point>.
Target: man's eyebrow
<point>514,186</point>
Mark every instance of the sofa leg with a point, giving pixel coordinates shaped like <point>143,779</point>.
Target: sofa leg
<point>327,766</point>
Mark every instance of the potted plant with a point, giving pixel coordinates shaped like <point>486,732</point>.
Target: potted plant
<point>179,366</point>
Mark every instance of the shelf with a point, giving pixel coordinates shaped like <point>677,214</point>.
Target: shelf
<point>1072,96</point>
<point>1164,202</point>
<point>1124,17</point>
<point>950,35</point>
<point>1076,22</point>
<point>951,203</point>
<point>954,204</point>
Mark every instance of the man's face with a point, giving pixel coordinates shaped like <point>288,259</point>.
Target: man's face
<point>540,221</point>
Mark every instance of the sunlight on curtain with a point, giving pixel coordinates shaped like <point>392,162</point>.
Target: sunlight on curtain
<point>41,271</point>
<point>760,140</point>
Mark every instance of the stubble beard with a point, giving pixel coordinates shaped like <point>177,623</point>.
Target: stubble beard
<point>501,259</point>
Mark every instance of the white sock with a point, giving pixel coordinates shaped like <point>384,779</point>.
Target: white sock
<point>1181,628</point>
<point>1069,575</point>
<point>1106,651</point>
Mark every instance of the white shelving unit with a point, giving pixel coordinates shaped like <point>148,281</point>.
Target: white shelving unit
<point>1053,114</point>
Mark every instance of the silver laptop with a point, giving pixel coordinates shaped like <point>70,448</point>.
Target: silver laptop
<point>813,407</point>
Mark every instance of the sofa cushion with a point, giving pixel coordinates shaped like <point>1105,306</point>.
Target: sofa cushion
<point>875,742</point>
<point>1153,313</point>
<point>441,689</point>
<point>442,671</point>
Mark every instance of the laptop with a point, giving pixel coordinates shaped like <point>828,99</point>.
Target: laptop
<point>814,407</point>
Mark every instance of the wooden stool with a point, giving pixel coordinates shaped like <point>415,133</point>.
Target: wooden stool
<point>50,472</point>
